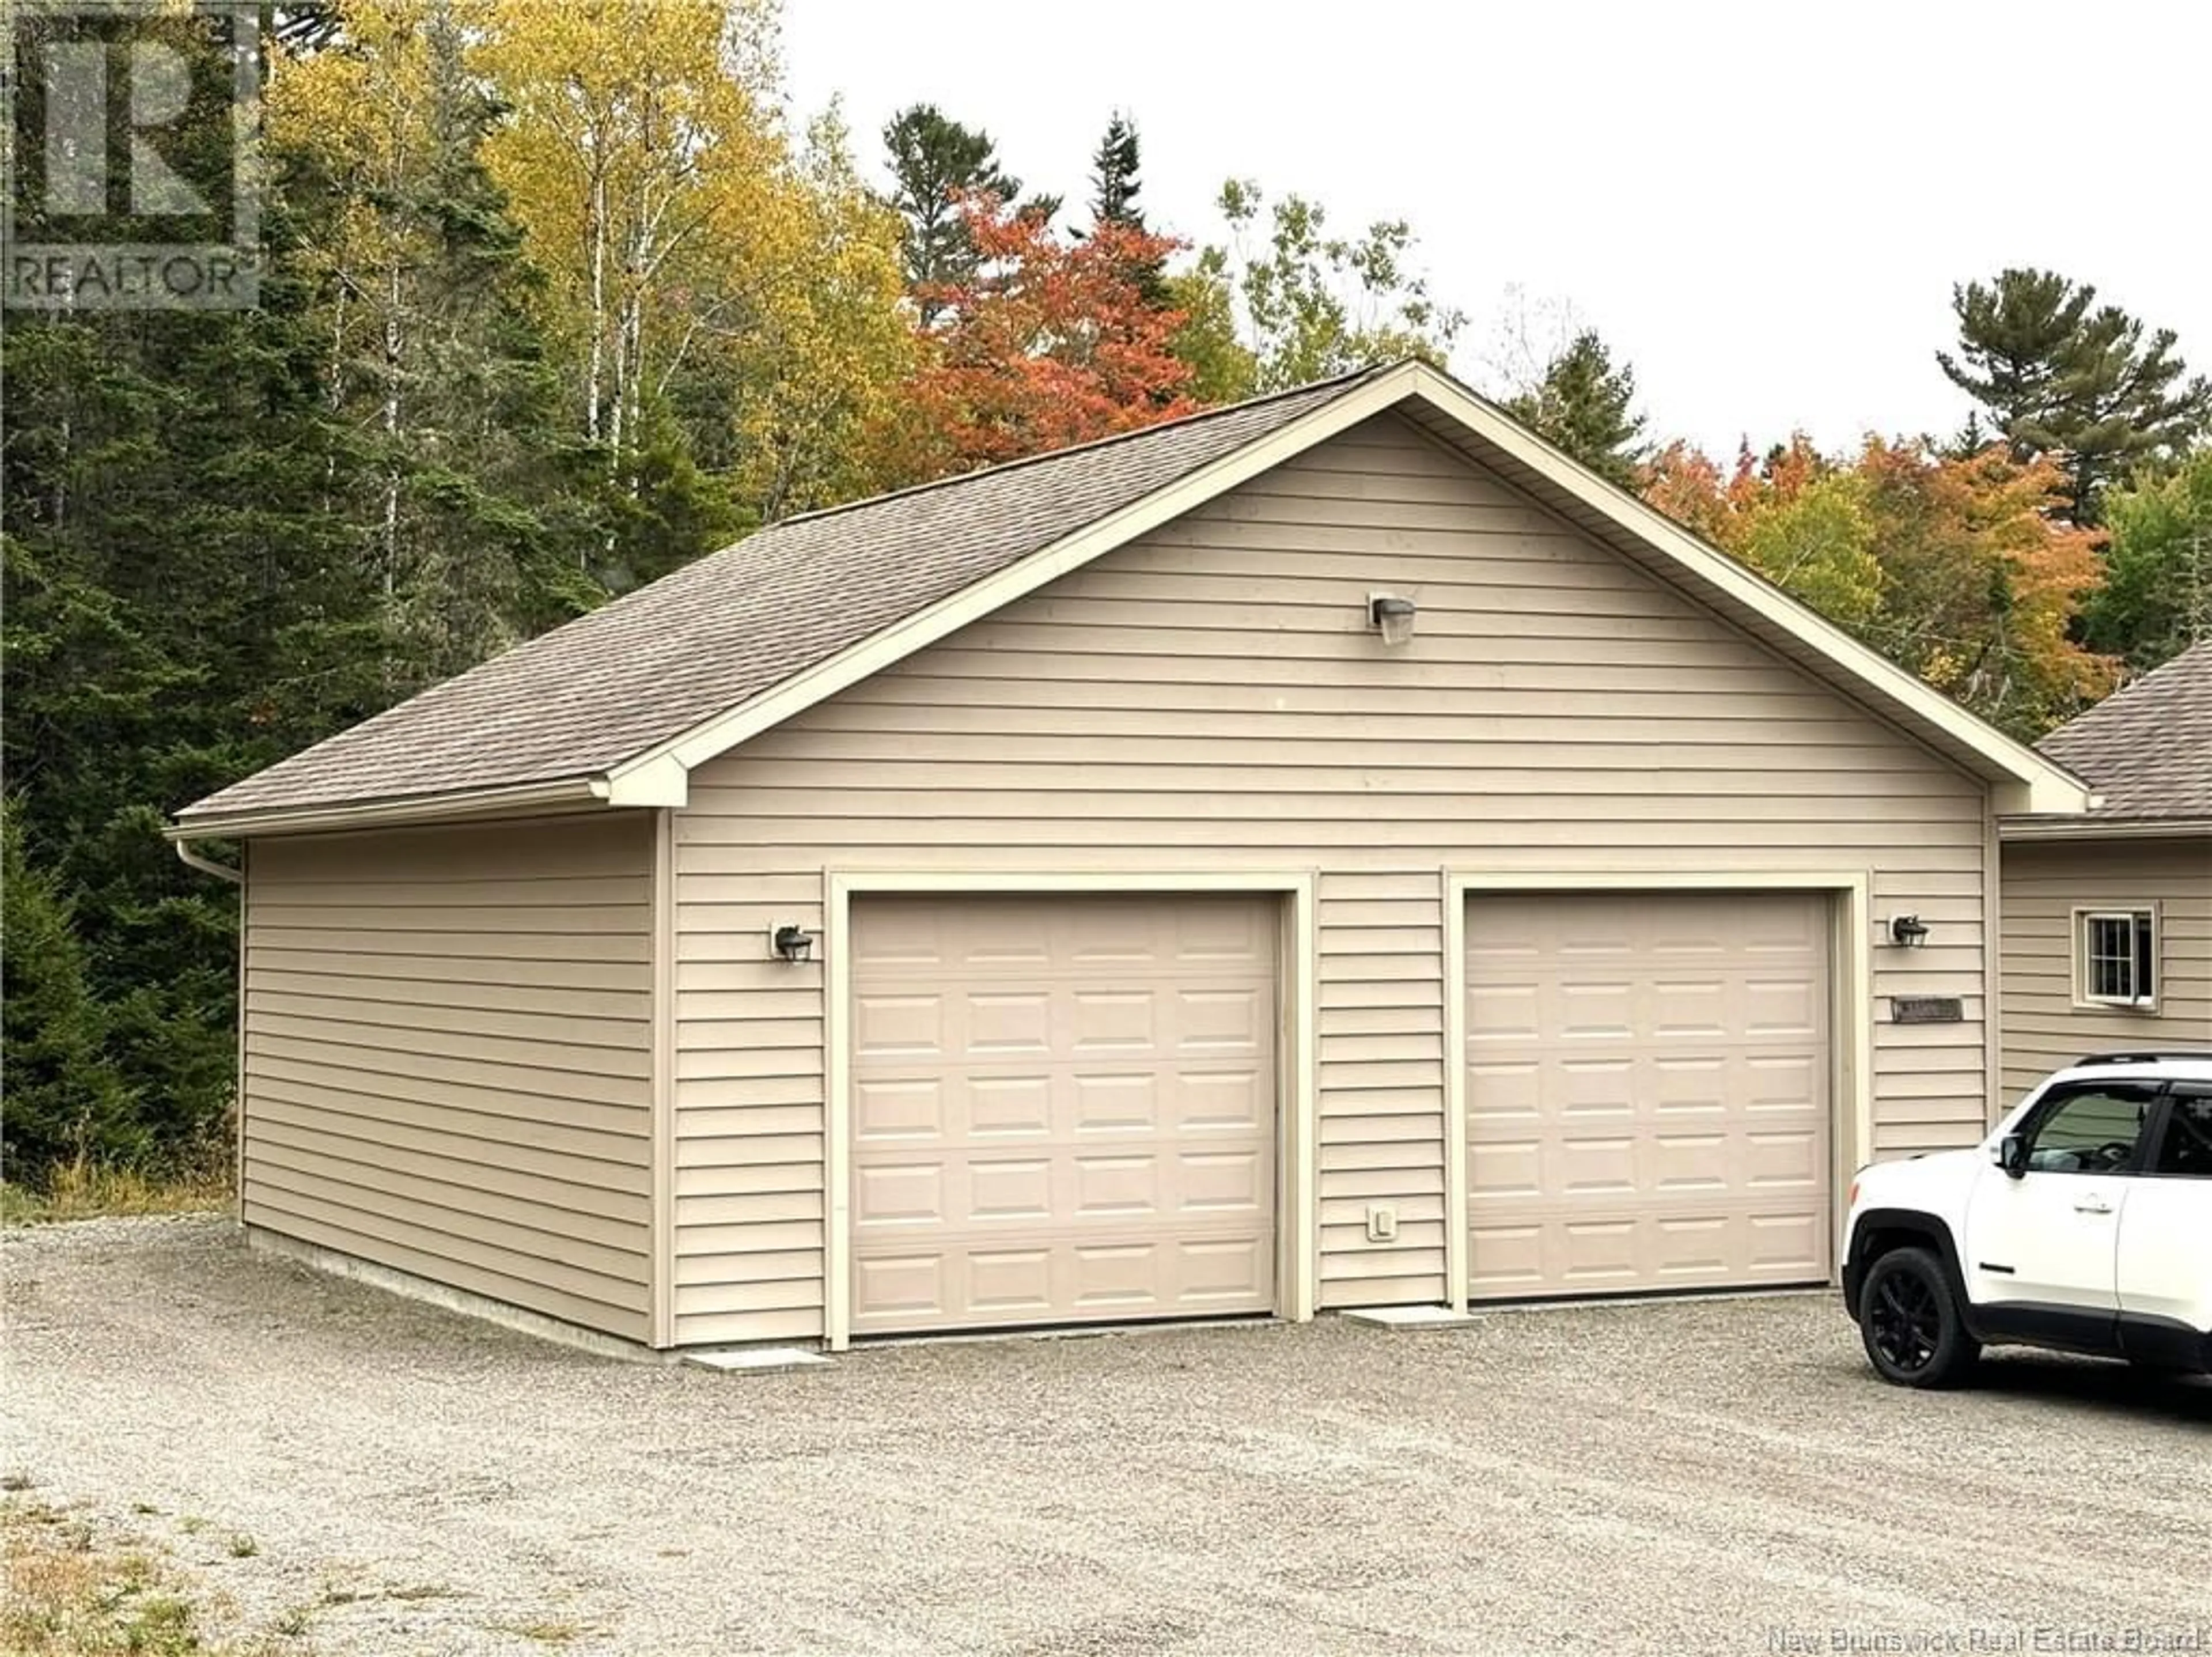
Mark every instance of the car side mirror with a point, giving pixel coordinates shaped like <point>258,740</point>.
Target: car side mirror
<point>2012,1155</point>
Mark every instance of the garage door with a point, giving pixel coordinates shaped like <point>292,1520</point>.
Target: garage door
<point>1063,1108</point>
<point>1647,1092</point>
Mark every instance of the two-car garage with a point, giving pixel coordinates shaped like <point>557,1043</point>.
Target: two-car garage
<point>1327,853</point>
<point>1069,1108</point>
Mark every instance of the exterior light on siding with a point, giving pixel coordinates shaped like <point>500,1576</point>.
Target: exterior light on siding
<point>1391,616</point>
<point>1908,930</point>
<point>792,943</point>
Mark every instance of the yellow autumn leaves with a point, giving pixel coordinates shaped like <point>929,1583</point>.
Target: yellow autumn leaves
<point>682,239</point>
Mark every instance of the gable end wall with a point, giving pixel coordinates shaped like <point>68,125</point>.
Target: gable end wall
<point>1209,697</point>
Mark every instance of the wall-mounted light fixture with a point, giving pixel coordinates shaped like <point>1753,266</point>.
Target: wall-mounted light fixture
<point>1908,931</point>
<point>791,943</point>
<point>1391,615</point>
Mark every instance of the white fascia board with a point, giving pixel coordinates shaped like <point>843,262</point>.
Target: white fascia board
<point>2024,799</point>
<point>2048,787</point>
<point>715,736</point>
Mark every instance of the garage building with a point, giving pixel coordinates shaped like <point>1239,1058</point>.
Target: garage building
<point>1329,852</point>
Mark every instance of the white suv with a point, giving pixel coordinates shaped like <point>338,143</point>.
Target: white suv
<point>2084,1223</point>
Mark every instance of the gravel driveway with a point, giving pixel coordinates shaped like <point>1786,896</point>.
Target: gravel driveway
<point>1707,1476</point>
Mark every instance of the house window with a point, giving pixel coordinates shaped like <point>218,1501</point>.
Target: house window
<point>2116,957</point>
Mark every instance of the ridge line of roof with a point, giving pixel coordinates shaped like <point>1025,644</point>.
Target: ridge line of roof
<point>1347,378</point>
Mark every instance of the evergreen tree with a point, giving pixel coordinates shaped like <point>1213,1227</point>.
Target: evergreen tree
<point>2013,339</point>
<point>2059,377</point>
<point>1114,187</point>
<point>934,161</point>
<point>1970,439</point>
<point>1113,183</point>
<point>64,1100</point>
<point>2126,402</point>
<point>181,609</point>
<point>1585,405</point>
<point>183,605</point>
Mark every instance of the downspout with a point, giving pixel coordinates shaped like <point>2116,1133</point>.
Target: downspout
<point>235,877</point>
<point>208,865</point>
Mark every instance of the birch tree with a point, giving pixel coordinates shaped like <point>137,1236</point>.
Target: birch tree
<point>419,276</point>
<point>727,301</point>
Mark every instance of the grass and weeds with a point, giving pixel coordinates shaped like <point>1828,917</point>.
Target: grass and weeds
<point>84,1190</point>
<point>296,1622</point>
<point>71,1592</point>
<point>78,1585</point>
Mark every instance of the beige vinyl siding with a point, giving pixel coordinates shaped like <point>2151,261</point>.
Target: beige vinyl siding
<point>1380,935</point>
<point>2043,883</point>
<point>1209,697</point>
<point>447,1057</point>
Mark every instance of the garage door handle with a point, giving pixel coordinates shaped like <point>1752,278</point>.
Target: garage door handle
<point>2093,1206</point>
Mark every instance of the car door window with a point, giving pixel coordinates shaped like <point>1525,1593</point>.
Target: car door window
<point>2088,1129</point>
<point>2185,1149</point>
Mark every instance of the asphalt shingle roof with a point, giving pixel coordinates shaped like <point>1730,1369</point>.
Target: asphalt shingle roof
<point>2147,749</point>
<point>718,633</point>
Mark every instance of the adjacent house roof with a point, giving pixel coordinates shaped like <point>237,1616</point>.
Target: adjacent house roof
<point>2147,749</point>
<point>617,706</point>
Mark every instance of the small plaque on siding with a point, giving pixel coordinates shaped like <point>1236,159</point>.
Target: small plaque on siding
<point>1926,1009</point>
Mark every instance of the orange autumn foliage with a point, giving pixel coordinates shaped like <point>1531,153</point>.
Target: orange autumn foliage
<point>1984,582</point>
<point>1955,567</point>
<point>1684,482</point>
<point>1050,343</point>
<point>1794,516</point>
<point>1688,485</point>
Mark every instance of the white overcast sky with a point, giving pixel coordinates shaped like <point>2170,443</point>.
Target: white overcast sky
<point>1762,206</point>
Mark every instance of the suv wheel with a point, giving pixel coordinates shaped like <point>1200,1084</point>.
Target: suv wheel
<point>1909,1320</point>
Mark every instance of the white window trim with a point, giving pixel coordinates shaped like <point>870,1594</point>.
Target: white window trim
<point>2078,947</point>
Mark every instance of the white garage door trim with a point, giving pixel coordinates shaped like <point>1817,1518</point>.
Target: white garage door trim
<point>1851,989</point>
<point>1299,1265</point>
